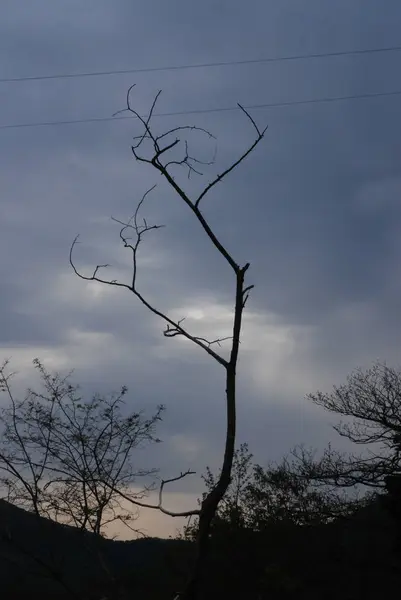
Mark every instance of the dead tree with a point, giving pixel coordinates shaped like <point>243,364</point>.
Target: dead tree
<point>159,150</point>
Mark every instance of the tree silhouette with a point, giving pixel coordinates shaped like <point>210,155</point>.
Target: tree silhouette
<point>166,152</point>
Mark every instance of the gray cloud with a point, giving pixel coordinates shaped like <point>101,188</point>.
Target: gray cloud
<point>315,209</point>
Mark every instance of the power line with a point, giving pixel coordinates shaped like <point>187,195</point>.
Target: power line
<point>202,65</point>
<point>206,110</point>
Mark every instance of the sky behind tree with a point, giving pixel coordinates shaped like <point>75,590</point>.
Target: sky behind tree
<point>315,209</point>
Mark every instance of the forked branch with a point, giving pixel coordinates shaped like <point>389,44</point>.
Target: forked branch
<point>159,506</point>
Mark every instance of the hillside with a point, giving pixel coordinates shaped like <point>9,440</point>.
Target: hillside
<point>349,559</point>
<point>49,560</point>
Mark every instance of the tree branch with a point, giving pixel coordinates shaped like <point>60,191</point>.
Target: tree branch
<point>173,328</point>
<point>159,505</point>
<point>235,164</point>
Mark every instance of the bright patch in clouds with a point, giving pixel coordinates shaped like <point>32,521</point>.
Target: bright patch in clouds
<point>273,354</point>
<point>83,348</point>
<point>71,290</point>
<point>196,314</point>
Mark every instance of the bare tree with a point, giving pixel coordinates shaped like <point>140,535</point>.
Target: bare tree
<point>371,403</point>
<point>156,150</point>
<point>62,457</point>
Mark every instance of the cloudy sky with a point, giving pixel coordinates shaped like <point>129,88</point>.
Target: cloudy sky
<point>315,209</point>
